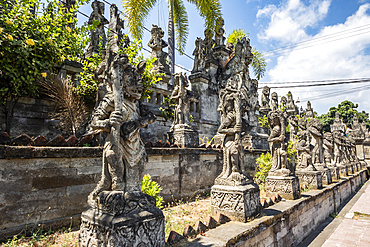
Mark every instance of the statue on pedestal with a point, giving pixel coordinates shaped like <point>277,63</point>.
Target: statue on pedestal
<point>219,34</point>
<point>291,108</point>
<point>274,102</point>
<point>199,56</point>
<point>117,204</point>
<point>181,133</point>
<point>98,34</point>
<point>156,43</point>
<point>309,111</point>
<point>265,100</point>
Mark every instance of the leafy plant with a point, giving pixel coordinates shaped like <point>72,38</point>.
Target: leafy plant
<point>263,122</point>
<point>206,140</point>
<point>264,163</point>
<point>152,188</point>
<point>168,108</point>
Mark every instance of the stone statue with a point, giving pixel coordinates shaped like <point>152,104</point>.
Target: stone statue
<point>116,24</point>
<point>291,108</point>
<point>231,125</point>
<point>293,126</point>
<point>283,103</point>
<point>157,44</point>
<point>328,148</point>
<point>274,101</point>
<point>309,111</point>
<point>304,151</point>
<point>98,34</point>
<point>180,95</point>
<point>314,126</point>
<point>265,100</point>
<point>199,56</point>
<point>117,204</point>
<point>219,34</point>
<point>357,133</point>
<point>278,143</point>
<point>208,44</point>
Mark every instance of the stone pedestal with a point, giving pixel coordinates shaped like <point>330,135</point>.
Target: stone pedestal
<point>350,168</point>
<point>120,219</point>
<point>335,175</point>
<point>363,165</point>
<point>343,170</point>
<point>286,187</point>
<point>239,203</point>
<point>309,179</point>
<point>184,136</point>
<point>325,173</point>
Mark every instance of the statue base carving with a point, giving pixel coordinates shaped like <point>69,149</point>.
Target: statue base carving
<point>343,170</point>
<point>309,179</point>
<point>357,166</point>
<point>325,173</point>
<point>122,219</point>
<point>184,136</point>
<point>286,186</point>
<point>335,175</point>
<point>239,203</point>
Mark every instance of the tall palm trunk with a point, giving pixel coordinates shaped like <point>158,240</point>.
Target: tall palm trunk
<point>171,41</point>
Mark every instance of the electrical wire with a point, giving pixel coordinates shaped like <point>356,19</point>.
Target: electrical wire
<point>334,94</point>
<point>323,84</point>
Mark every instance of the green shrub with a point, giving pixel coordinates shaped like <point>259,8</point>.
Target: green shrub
<point>264,163</point>
<point>152,188</point>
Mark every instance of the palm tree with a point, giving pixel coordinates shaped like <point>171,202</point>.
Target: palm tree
<point>137,11</point>
<point>259,62</point>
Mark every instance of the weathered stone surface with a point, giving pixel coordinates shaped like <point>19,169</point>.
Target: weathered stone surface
<point>325,173</point>
<point>185,137</point>
<point>221,218</point>
<point>72,140</point>
<point>57,141</point>
<point>4,138</point>
<point>200,227</point>
<point>335,175</point>
<point>188,231</point>
<point>40,140</point>
<point>22,140</point>
<point>309,179</point>
<point>240,203</point>
<point>343,170</point>
<point>144,227</point>
<point>211,222</point>
<point>174,237</point>
<point>86,140</point>
<point>287,187</point>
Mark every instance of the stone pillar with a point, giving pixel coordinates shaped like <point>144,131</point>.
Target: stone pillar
<point>309,179</point>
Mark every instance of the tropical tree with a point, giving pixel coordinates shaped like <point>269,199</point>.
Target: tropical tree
<point>137,12</point>
<point>347,110</point>
<point>259,62</point>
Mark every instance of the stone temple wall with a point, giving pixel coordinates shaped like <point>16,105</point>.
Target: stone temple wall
<point>50,185</point>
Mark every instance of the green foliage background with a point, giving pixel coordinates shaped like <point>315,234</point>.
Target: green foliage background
<point>152,188</point>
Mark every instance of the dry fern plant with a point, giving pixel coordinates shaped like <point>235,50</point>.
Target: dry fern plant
<point>70,110</point>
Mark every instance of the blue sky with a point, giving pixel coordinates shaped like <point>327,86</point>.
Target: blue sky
<point>336,32</point>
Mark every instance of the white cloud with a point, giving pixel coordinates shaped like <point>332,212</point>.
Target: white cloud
<point>343,58</point>
<point>288,21</point>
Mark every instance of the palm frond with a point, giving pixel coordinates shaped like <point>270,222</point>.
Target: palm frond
<point>258,64</point>
<point>210,11</point>
<point>180,19</point>
<point>136,12</point>
<point>235,35</point>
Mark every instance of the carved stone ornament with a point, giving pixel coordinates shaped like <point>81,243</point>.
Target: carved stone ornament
<point>274,101</point>
<point>120,214</point>
<point>98,34</point>
<point>219,34</point>
<point>265,100</point>
<point>199,56</point>
<point>157,43</point>
<point>233,184</point>
<point>291,108</point>
<point>309,111</point>
<point>181,133</point>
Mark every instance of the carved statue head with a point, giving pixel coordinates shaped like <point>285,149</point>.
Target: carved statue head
<point>98,7</point>
<point>266,91</point>
<point>274,96</point>
<point>309,105</point>
<point>283,100</point>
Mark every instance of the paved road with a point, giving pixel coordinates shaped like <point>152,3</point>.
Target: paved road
<point>347,229</point>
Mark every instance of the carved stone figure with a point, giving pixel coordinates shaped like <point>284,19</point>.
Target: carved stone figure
<point>181,133</point>
<point>291,108</point>
<point>233,183</point>
<point>278,144</point>
<point>199,56</point>
<point>265,100</point>
<point>208,44</point>
<point>98,34</point>
<point>328,148</point>
<point>303,148</point>
<point>283,103</point>
<point>274,101</point>
<point>117,204</point>
<point>157,44</point>
<point>293,126</point>
<point>309,111</point>
<point>219,34</point>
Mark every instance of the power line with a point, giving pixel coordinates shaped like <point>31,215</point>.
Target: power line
<point>324,84</point>
<point>313,81</point>
<point>322,37</point>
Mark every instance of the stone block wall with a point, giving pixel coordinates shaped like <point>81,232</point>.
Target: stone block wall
<point>50,185</point>
<point>32,117</point>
